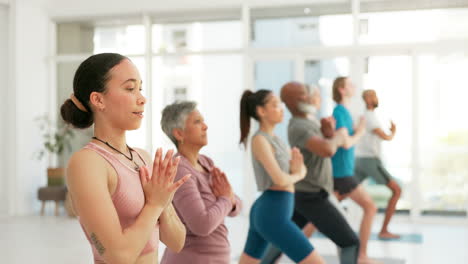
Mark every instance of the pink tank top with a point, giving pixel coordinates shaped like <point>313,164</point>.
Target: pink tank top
<point>128,197</point>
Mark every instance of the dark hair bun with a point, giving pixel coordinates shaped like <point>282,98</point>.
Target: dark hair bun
<point>74,116</point>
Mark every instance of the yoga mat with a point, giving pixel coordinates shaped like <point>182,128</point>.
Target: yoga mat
<point>334,260</point>
<point>408,238</point>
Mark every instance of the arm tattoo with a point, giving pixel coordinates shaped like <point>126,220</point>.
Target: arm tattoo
<point>99,247</point>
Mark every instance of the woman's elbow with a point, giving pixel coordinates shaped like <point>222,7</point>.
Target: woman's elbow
<point>121,257</point>
<point>281,182</point>
<point>178,245</point>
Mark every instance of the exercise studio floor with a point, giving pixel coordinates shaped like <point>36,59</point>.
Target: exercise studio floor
<point>58,240</point>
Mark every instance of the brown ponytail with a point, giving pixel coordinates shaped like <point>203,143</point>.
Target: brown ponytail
<point>248,108</point>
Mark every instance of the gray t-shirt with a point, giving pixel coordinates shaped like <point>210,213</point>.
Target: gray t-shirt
<point>282,156</point>
<point>319,169</point>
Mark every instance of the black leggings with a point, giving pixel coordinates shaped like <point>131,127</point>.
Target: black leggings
<point>316,208</point>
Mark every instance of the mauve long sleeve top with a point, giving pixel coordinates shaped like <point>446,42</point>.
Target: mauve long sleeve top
<point>203,216</point>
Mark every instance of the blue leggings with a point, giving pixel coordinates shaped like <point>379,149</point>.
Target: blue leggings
<point>270,222</point>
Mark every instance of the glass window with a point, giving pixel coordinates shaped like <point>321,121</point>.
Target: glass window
<point>272,75</point>
<point>443,132</point>
<point>322,73</point>
<point>121,39</point>
<point>75,38</point>
<point>198,36</point>
<point>86,37</point>
<point>413,26</point>
<point>329,30</point>
<point>391,78</point>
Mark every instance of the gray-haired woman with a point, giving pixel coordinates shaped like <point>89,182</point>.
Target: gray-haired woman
<point>206,198</point>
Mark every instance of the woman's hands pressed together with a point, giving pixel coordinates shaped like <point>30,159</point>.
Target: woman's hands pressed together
<point>220,185</point>
<point>297,163</point>
<point>159,188</point>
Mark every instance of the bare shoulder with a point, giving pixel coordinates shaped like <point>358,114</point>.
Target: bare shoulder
<point>259,142</point>
<point>261,148</point>
<point>84,156</point>
<point>85,163</point>
<point>258,139</point>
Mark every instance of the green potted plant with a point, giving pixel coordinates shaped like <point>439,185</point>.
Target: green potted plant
<point>57,138</point>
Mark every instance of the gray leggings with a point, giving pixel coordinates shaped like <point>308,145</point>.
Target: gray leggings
<point>317,209</point>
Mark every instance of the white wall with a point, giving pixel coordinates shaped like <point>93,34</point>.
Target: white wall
<point>3,79</point>
<point>27,97</point>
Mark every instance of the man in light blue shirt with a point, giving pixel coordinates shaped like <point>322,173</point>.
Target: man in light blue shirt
<point>343,160</point>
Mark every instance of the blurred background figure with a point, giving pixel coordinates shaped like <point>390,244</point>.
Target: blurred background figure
<point>368,162</point>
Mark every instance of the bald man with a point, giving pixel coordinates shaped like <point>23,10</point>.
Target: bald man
<point>312,202</point>
<point>368,163</point>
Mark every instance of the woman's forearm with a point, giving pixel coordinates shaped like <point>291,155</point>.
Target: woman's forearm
<point>172,231</point>
<point>142,228</point>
